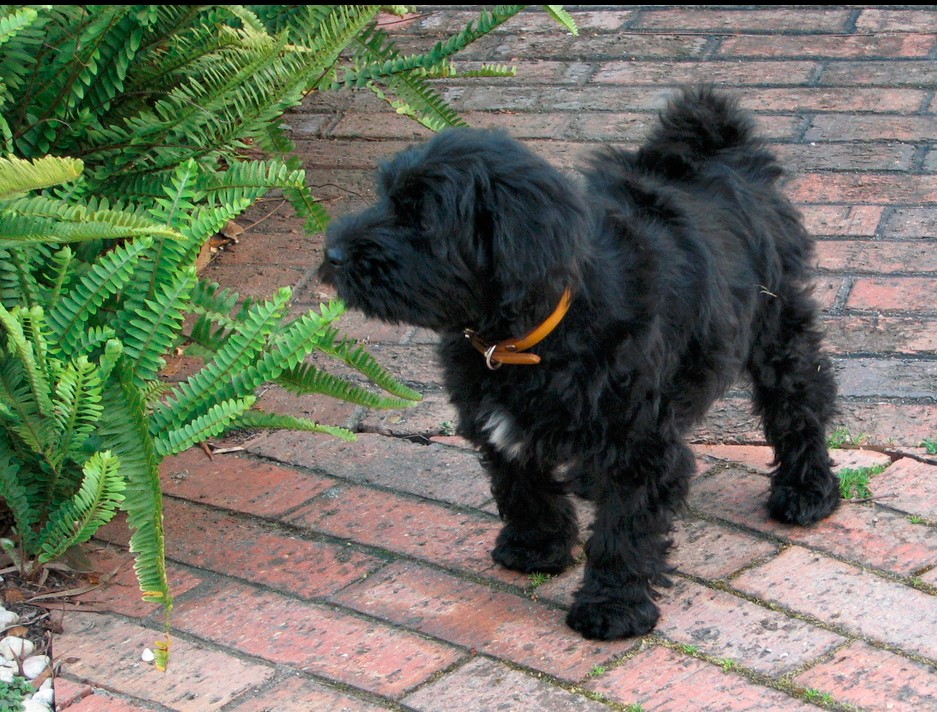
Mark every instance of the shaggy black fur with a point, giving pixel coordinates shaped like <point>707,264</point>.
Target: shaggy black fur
<point>688,268</point>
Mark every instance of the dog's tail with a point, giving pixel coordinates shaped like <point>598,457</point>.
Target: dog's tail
<point>701,124</point>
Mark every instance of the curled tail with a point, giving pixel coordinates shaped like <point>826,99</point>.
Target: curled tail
<point>701,124</point>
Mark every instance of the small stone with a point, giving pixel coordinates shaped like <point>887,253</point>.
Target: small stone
<point>7,674</point>
<point>147,655</point>
<point>8,618</point>
<point>34,705</point>
<point>46,696</point>
<point>12,647</point>
<point>34,665</point>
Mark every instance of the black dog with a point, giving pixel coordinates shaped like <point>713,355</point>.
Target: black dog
<point>681,266</point>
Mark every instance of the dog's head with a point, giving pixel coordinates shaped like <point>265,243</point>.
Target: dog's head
<point>470,230</point>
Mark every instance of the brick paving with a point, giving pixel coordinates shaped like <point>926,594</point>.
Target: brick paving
<point>317,575</point>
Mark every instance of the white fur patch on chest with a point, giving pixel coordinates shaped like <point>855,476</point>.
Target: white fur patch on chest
<point>503,434</point>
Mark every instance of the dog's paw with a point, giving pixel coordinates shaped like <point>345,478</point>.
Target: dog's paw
<point>609,618</point>
<point>792,505</point>
<point>524,555</point>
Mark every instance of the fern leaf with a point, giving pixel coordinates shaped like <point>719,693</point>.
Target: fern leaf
<point>76,519</point>
<point>30,357</point>
<point>218,419</point>
<point>562,17</point>
<point>258,419</point>
<point>108,275</point>
<point>16,496</point>
<point>307,378</point>
<point>125,431</point>
<point>212,384</point>
<point>363,362</point>
<point>15,20</point>
<point>76,408</point>
<point>151,330</point>
<point>21,176</point>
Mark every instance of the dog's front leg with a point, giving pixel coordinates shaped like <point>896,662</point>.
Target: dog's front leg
<point>540,524</point>
<point>626,554</point>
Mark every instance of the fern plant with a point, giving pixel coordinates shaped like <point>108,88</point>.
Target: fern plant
<point>86,420</point>
<point>128,136</point>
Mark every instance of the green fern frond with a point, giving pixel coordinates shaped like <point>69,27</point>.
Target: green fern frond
<point>76,409</point>
<point>307,378</point>
<point>108,275</point>
<point>18,176</point>
<point>232,362</point>
<point>16,496</point>
<point>359,359</point>
<point>258,419</point>
<point>15,19</point>
<point>76,519</point>
<point>562,17</point>
<point>30,356</point>
<point>151,330</point>
<point>218,419</point>
<point>125,428</point>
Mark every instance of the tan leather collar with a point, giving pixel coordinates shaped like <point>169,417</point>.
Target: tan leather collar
<point>510,350</point>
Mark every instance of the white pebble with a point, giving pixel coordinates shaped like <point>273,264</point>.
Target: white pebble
<point>147,655</point>
<point>34,665</point>
<point>8,618</point>
<point>34,705</point>
<point>7,674</point>
<point>13,647</point>
<point>46,696</point>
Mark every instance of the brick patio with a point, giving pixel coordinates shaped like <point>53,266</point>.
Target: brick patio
<point>317,575</point>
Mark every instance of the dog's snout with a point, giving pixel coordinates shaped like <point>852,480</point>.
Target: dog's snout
<point>336,256</point>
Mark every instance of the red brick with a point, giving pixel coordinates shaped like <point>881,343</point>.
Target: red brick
<point>475,616</point>
<point>881,334</point>
<point>723,625</point>
<point>524,126</point>
<point>483,685</point>
<point>875,256</point>
<point>297,694</point>
<point>100,701</point>
<point>893,294</point>
<point>755,457</point>
<point>710,551</point>
<point>668,681</point>
<point>866,46</point>
<point>239,483</point>
<point>874,679</point>
<point>657,73</point>
<point>433,23</point>
<point>887,378</point>
<point>868,535</point>
<point>314,406</point>
<point>429,417</point>
<point>559,98</point>
<point>848,597</point>
<point>923,20</point>
<point>862,187</point>
<point>279,560</point>
<point>896,424</point>
<point>433,471</point>
<point>120,592</point>
<point>909,73</point>
<point>806,157</point>
<point>912,222</point>
<point>712,19</point>
<point>845,220</point>
<point>259,281</point>
<point>910,486</point>
<point>826,290</point>
<point>407,526</point>
<point>101,648</point>
<point>852,127</point>
<point>835,99</point>
<point>313,638</point>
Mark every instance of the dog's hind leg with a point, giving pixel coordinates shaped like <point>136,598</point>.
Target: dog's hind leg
<point>626,554</point>
<point>794,391</point>
<point>540,526</point>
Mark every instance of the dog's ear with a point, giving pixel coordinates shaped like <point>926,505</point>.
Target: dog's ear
<point>539,234</point>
